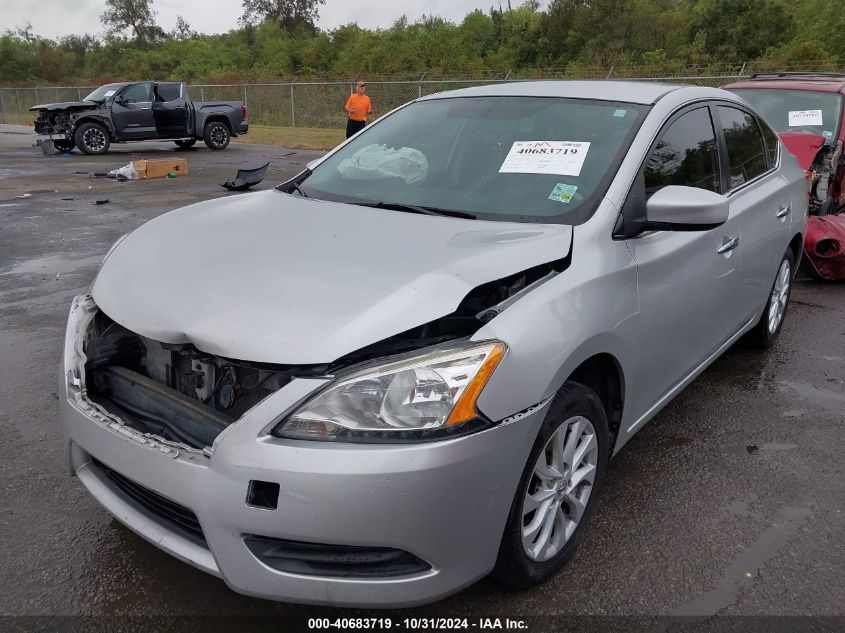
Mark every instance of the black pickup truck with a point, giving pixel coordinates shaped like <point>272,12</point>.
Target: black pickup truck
<point>140,111</point>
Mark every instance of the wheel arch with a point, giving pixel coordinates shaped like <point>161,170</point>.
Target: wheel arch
<point>603,374</point>
<point>796,245</point>
<point>94,119</point>
<point>216,118</point>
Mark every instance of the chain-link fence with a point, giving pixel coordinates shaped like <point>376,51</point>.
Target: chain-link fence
<point>315,104</point>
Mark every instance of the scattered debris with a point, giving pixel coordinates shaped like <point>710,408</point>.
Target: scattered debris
<point>68,199</point>
<point>25,195</point>
<point>246,178</point>
<point>127,172</point>
<point>160,168</point>
<point>170,174</point>
<point>101,201</point>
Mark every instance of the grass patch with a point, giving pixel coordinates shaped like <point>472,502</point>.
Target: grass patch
<point>293,137</point>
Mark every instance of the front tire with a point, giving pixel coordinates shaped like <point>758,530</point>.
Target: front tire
<point>92,138</point>
<point>64,146</point>
<point>216,135</point>
<point>766,331</point>
<point>556,494</point>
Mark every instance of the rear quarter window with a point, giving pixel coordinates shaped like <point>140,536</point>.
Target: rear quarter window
<point>772,143</point>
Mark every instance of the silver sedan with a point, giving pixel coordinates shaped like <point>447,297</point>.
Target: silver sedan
<point>408,367</point>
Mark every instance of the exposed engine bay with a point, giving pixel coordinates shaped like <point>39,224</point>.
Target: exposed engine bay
<point>827,171</point>
<point>173,391</point>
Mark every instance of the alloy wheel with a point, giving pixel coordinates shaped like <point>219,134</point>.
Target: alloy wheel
<point>559,488</point>
<point>219,135</point>
<point>94,139</point>
<point>780,295</point>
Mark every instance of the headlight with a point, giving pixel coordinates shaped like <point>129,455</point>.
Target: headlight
<point>425,397</point>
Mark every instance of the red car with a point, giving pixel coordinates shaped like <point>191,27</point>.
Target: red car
<point>806,110</point>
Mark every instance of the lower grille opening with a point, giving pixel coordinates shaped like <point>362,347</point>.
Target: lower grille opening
<point>171,514</point>
<point>343,561</point>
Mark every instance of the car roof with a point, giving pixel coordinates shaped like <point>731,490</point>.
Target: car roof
<point>818,82</point>
<point>639,92</point>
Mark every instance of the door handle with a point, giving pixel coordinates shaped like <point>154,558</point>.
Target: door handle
<point>145,108</point>
<point>782,212</point>
<point>728,245</point>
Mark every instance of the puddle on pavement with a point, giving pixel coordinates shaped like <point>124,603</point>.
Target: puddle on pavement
<point>820,396</point>
<point>741,573</point>
<point>53,265</point>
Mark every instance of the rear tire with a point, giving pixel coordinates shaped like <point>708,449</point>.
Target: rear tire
<point>525,558</point>
<point>92,138</point>
<point>64,146</point>
<point>217,135</point>
<point>186,143</point>
<point>765,333</point>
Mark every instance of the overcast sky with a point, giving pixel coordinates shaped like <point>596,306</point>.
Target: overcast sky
<point>54,18</point>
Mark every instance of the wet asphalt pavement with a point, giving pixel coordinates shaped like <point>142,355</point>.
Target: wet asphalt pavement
<point>731,501</point>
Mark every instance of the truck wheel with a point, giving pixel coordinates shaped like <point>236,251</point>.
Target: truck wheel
<point>186,143</point>
<point>64,146</point>
<point>92,138</point>
<point>216,135</point>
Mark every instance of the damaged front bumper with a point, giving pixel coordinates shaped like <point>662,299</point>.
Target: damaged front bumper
<point>301,521</point>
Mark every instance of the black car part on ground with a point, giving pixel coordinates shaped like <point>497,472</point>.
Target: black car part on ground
<point>246,178</point>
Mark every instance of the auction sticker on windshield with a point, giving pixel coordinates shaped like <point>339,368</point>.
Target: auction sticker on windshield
<point>805,117</point>
<point>564,158</point>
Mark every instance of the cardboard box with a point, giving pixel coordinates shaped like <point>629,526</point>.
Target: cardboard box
<point>160,168</point>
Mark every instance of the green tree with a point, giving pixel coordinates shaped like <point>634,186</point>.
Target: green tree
<point>137,15</point>
<point>293,16</point>
<point>740,30</point>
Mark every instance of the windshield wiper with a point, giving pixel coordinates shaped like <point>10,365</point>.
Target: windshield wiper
<point>412,208</point>
<point>298,189</point>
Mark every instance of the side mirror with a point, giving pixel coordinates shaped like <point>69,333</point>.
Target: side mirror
<point>678,208</point>
<point>118,99</point>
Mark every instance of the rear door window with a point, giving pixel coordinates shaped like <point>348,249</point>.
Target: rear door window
<point>685,155</point>
<point>746,154</point>
<point>168,92</point>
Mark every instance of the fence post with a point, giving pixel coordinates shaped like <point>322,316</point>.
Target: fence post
<point>202,93</point>
<point>18,97</point>
<point>245,98</point>
<point>610,72</point>
<point>420,84</point>
<point>2,106</point>
<point>741,70</point>
<point>292,107</point>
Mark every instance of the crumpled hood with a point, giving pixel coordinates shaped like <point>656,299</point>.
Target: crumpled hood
<point>271,277</point>
<point>803,146</point>
<point>65,105</point>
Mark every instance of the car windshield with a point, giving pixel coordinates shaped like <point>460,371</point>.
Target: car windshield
<point>529,159</point>
<point>103,92</point>
<point>797,110</point>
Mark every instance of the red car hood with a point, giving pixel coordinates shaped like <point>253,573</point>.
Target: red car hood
<point>803,146</point>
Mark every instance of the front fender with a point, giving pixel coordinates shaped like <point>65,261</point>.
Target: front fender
<point>588,309</point>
